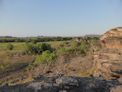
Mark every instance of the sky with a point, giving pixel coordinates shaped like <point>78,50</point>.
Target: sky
<point>58,17</point>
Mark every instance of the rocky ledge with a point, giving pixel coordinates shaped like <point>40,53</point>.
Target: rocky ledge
<point>66,84</point>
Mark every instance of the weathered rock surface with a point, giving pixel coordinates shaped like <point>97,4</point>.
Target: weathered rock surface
<point>65,84</point>
<point>117,89</point>
<point>112,38</point>
<point>108,61</point>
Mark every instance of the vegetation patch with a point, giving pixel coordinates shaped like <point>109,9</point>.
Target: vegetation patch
<point>27,57</point>
<point>10,46</point>
<point>46,57</point>
<point>38,48</point>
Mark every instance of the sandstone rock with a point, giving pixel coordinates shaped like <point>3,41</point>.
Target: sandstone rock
<point>108,61</point>
<point>112,38</point>
<point>117,89</point>
<point>120,80</point>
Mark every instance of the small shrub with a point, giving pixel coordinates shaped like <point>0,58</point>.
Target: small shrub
<point>65,51</point>
<point>61,51</point>
<point>74,44</point>
<point>44,46</point>
<point>46,58</point>
<point>10,46</point>
<point>83,48</point>
<point>30,48</point>
<point>38,48</point>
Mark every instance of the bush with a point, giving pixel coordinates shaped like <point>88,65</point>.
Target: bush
<point>38,48</point>
<point>84,48</point>
<point>10,46</point>
<point>74,44</point>
<point>44,46</point>
<point>76,48</point>
<point>46,58</point>
<point>30,48</point>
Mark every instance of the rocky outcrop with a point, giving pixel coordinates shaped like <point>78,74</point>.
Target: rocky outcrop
<point>112,38</point>
<point>65,84</point>
<point>108,61</point>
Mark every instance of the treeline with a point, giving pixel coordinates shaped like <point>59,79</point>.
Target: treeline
<point>33,39</point>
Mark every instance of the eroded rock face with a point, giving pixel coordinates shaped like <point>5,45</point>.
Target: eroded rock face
<point>112,38</point>
<point>108,61</point>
